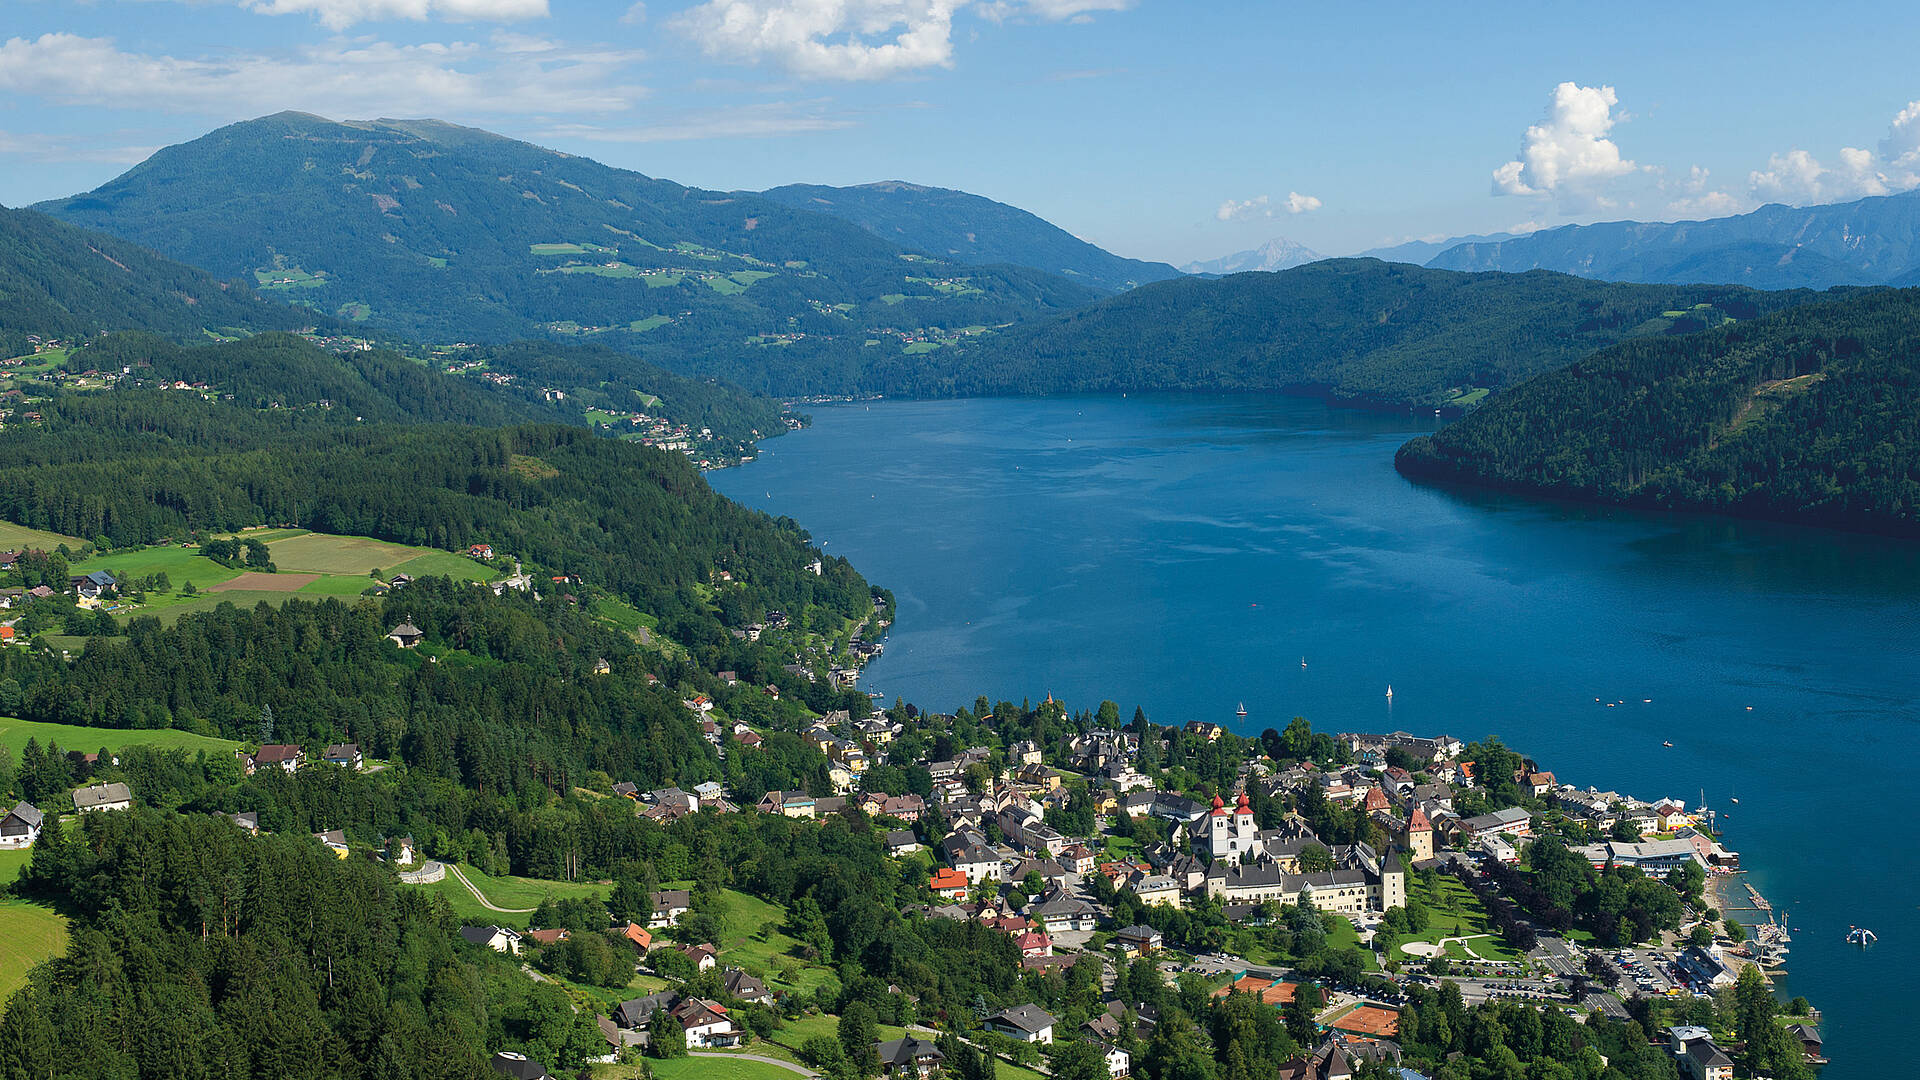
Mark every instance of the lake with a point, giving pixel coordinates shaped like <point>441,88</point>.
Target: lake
<point>1186,553</point>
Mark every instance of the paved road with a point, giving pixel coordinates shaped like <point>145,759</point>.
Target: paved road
<point>484,902</point>
<point>787,1065</point>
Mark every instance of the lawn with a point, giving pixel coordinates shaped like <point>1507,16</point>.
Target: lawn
<point>336,585</point>
<point>754,940</point>
<point>180,564</point>
<point>641,326</point>
<point>699,1068</point>
<point>170,608</point>
<point>28,935</point>
<point>444,564</point>
<point>17,537</point>
<point>508,892</point>
<point>15,733</point>
<point>555,249</point>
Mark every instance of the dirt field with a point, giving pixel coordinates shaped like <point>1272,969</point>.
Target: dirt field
<point>254,581</point>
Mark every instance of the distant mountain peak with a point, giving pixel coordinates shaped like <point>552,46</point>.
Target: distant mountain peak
<point>1278,253</point>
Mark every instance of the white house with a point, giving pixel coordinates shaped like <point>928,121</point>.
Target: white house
<point>1027,1023</point>
<point>114,796</point>
<point>497,938</point>
<point>21,827</point>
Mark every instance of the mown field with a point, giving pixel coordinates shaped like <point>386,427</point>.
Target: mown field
<point>15,733</point>
<point>19,537</point>
<point>28,933</point>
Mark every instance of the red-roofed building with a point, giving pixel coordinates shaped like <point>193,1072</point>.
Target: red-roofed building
<point>949,883</point>
<point>1032,943</point>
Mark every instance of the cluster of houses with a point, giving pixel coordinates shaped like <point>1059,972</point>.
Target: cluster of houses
<point>290,758</point>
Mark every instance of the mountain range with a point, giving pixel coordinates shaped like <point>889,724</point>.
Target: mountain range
<point>1278,253</point>
<point>1873,241</point>
<point>1360,331</point>
<point>971,229</point>
<point>453,234</point>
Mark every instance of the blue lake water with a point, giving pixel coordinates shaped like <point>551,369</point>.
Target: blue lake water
<point>1185,553</point>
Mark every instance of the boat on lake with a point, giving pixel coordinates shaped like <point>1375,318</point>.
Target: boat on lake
<point>1389,691</point>
<point>1242,711</point>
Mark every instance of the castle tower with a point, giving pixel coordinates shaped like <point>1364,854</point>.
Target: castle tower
<point>1419,836</point>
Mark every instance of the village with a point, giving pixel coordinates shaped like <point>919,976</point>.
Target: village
<point>1133,887</point>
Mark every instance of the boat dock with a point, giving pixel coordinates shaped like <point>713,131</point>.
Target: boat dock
<point>1759,902</point>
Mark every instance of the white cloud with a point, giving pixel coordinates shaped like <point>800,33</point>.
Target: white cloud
<point>1695,197</point>
<point>1524,227</point>
<point>827,39</point>
<point>1300,204</point>
<point>42,146</point>
<point>636,14</point>
<point>1900,150</point>
<point>764,119</point>
<point>339,79</point>
<point>338,14</point>
<point>1798,177</point>
<point>1237,211</point>
<point>1568,155</point>
<point>1051,10</point>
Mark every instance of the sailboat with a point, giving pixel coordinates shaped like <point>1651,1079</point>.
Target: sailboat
<point>1242,710</point>
<point>1733,798</point>
<point>1303,663</point>
<point>1389,691</point>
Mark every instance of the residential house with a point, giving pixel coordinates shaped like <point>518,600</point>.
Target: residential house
<point>979,864</point>
<point>480,551</point>
<point>627,789</point>
<point>543,938</point>
<point>1119,1062</point>
<point>639,936</point>
<point>741,985</point>
<point>704,957</point>
<point>950,883</point>
<point>910,1056</point>
<point>21,827</point>
<point>114,796</point>
<point>344,754</point>
<point>498,938</point>
<point>90,586</point>
<point>284,756</point>
<point>668,906</point>
<point>635,1014</point>
<point>795,804</point>
<point>902,842</point>
<point>1034,943</point>
<point>1696,1055</point>
<point>406,635</point>
<point>1538,784</point>
<point>706,1023</point>
<point>247,819</point>
<point>1026,1023</point>
<point>1514,821</point>
<point>1062,913</point>
<point>335,841</point>
<point>1137,940</point>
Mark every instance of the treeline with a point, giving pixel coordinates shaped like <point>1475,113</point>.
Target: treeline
<point>513,704</point>
<point>1357,329</point>
<point>199,951</point>
<point>1811,415</point>
<point>136,469</point>
<point>62,282</point>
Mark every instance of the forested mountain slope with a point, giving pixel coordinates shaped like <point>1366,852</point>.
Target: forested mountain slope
<point>58,281</point>
<point>452,234</point>
<point>1867,242</point>
<point>1357,329</point>
<point>971,229</point>
<point>1811,415</point>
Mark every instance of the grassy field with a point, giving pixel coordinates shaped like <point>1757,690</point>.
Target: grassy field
<point>321,553</point>
<point>444,564</point>
<point>702,1068</point>
<point>17,537</point>
<point>15,733</point>
<point>508,892</point>
<point>180,564</point>
<point>28,935</point>
<point>641,326</point>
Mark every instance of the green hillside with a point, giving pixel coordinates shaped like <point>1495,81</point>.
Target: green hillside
<point>971,229</point>
<point>451,234</point>
<point>1811,415</point>
<point>1355,329</point>
<point>57,281</point>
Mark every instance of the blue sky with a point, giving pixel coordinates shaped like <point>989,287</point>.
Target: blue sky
<point>1161,130</point>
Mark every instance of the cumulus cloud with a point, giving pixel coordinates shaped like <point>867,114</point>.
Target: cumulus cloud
<point>1696,197</point>
<point>1567,155</point>
<point>335,78</point>
<point>847,40</point>
<point>1300,204</point>
<point>1900,150</point>
<point>338,14</point>
<point>1262,206</point>
<point>1236,211</point>
<point>1798,177</point>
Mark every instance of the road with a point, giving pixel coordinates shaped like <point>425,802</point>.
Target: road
<point>484,902</point>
